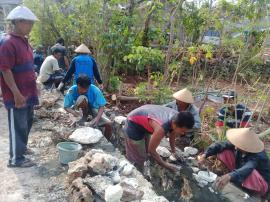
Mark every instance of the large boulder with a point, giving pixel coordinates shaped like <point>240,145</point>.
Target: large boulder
<point>86,135</point>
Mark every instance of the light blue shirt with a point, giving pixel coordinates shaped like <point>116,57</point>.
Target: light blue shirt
<point>94,95</point>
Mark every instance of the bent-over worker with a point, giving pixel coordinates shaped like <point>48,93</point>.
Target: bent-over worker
<point>145,128</point>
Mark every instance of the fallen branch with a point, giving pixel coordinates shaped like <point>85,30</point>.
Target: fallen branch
<point>124,98</point>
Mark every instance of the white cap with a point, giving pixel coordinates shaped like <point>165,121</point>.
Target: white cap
<point>23,13</point>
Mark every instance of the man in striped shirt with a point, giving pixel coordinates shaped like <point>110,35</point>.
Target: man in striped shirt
<point>18,83</point>
<point>232,115</point>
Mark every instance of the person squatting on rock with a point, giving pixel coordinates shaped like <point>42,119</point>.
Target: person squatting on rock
<point>18,83</point>
<point>83,63</point>
<point>233,114</point>
<point>91,101</point>
<point>50,73</point>
<point>184,102</point>
<point>147,125</point>
<point>244,155</point>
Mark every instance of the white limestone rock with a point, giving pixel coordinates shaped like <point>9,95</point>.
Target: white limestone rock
<point>86,135</point>
<point>127,167</point>
<point>163,151</point>
<point>191,150</point>
<point>120,119</point>
<point>207,176</point>
<point>113,193</point>
<point>99,184</point>
<point>102,163</point>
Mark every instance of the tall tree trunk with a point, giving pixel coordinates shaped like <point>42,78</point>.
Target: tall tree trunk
<point>145,37</point>
<point>169,52</point>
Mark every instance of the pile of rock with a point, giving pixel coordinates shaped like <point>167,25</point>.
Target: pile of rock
<point>109,177</point>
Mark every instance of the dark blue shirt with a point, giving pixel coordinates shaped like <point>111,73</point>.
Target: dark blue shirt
<point>245,163</point>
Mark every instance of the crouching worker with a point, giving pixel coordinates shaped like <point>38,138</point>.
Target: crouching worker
<point>90,100</point>
<point>50,73</point>
<point>244,155</point>
<point>145,128</point>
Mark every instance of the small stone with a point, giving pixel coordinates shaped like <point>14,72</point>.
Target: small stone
<point>86,135</point>
<point>102,163</point>
<point>163,151</point>
<point>99,184</point>
<point>80,192</point>
<point>201,182</point>
<point>131,181</point>
<point>120,119</point>
<point>195,169</point>
<point>207,176</point>
<point>127,167</point>
<point>172,158</point>
<point>113,193</point>
<point>116,177</point>
<point>77,169</point>
<point>156,199</point>
<point>191,150</point>
<point>211,189</point>
<point>131,193</point>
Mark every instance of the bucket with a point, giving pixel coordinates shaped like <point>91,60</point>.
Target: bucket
<point>68,151</point>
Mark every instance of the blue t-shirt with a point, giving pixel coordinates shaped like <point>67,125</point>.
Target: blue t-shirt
<point>94,95</point>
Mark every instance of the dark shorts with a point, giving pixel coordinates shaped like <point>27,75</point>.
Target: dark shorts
<point>135,131</point>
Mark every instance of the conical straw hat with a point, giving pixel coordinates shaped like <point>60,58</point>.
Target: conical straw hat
<point>82,49</point>
<point>245,139</point>
<point>184,95</point>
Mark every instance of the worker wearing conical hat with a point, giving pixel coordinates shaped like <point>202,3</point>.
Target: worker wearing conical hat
<point>85,64</point>
<point>184,102</point>
<point>245,157</point>
<point>18,83</point>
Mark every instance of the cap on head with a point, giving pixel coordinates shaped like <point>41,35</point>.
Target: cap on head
<point>82,49</point>
<point>230,94</point>
<point>184,95</point>
<point>22,13</point>
<point>245,139</point>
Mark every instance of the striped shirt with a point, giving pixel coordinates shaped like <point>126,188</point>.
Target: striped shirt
<point>239,118</point>
<point>16,55</point>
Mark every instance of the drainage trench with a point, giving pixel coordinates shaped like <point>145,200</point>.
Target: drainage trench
<point>175,187</point>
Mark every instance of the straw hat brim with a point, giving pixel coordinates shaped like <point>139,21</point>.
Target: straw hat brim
<point>245,139</point>
<point>82,49</point>
<point>184,95</point>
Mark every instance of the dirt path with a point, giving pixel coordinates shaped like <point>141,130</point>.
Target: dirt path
<point>44,182</point>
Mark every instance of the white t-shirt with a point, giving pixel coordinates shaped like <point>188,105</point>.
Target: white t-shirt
<point>48,67</point>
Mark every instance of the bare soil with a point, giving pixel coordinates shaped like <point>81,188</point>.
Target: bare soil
<point>44,182</point>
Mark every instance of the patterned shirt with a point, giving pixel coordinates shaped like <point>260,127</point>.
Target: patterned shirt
<point>16,55</point>
<point>239,118</point>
